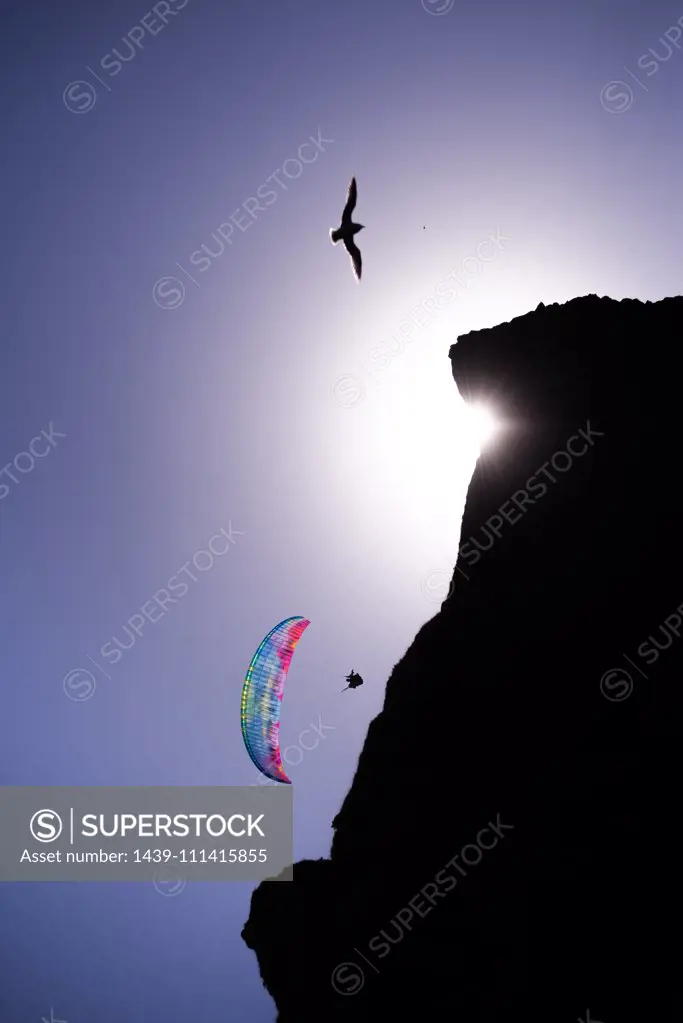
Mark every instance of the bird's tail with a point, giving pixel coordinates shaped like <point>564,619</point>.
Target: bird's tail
<point>335,236</point>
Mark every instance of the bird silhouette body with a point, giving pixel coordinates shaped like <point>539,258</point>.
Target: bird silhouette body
<point>347,229</point>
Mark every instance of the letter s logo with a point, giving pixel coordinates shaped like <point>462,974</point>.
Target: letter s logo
<point>46,825</point>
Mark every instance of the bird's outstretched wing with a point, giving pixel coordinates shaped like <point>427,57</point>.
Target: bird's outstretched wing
<point>356,258</point>
<point>351,200</point>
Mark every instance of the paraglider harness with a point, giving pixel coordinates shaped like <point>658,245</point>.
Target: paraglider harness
<point>354,681</point>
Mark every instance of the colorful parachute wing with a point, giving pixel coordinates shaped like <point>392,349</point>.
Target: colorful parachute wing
<point>262,696</point>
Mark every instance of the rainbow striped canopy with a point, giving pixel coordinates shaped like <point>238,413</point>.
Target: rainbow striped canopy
<point>262,696</point>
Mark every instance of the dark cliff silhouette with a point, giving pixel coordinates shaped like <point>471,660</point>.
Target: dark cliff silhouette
<point>508,847</point>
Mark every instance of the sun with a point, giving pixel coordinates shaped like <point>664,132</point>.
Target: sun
<point>482,425</point>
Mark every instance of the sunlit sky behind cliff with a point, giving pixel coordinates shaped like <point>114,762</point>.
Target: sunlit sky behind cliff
<point>265,388</point>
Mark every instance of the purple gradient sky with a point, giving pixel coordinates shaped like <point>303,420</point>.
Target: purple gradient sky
<point>229,407</point>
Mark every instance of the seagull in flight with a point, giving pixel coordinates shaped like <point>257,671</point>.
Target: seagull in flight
<point>347,229</point>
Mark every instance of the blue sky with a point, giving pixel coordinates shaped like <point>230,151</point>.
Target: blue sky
<point>271,395</point>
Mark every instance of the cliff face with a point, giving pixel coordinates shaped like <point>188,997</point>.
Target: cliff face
<point>508,839</point>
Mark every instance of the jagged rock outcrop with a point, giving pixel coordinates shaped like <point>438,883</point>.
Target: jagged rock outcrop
<point>507,849</point>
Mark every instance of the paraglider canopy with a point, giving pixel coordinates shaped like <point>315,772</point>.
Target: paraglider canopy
<point>262,696</point>
<point>354,681</point>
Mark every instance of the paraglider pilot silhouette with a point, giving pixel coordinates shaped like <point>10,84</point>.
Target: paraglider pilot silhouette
<point>354,681</point>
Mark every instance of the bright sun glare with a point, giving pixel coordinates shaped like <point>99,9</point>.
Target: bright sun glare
<point>412,447</point>
<point>483,424</point>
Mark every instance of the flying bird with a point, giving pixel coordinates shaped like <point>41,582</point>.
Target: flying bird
<point>347,229</point>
